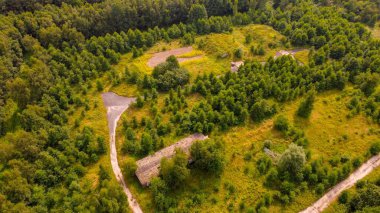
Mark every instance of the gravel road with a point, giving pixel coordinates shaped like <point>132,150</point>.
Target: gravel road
<point>116,105</point>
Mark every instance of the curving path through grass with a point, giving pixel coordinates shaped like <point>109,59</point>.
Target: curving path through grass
<point>331,195</point>
<point>116,105</point>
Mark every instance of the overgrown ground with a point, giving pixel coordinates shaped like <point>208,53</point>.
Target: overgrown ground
<point>376,30</point>
<point>329,131</point>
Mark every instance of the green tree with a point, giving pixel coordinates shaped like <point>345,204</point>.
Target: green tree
<point>99,86</point>
<point>19,92</point>
<point>293,159</point>
<point>367,197</point>
<point>208,156</point>
<point>306,106</point>
<point>174,171</point>
<point>261,110</point>
<point>281,123</point>
<point>103,173</point>
<point>375,148</point>
<point>146,143</point>
<point>197,11</point>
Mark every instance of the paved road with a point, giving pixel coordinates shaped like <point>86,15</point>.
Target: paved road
<point>330,196</point>
<point>116,105</point>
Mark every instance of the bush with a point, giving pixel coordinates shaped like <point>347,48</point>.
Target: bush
<point>267,144</point>
<point>238,53</point>
<point>262,110</point>
<point>99,86</point>
<point>264,164</point>
<point>130,167</point>
<point>375,148</point>
<point>248,39</point>
<point>261,51</point>
<point>306,106</point>
<point>320,188</point>
<point>343,198</point>
<point>281,123</point>
<point>174,171</point>
<point>208,156</point>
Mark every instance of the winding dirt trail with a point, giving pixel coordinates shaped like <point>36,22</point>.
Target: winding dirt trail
<point>116,105</point>
<point>330,196</point>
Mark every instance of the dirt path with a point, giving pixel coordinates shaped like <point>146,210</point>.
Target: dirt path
<point>116,105</point>
<point>330,196</point>
<point>162,56</point>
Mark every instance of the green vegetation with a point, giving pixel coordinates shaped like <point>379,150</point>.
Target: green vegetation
<point>306,106</point>
<point>57,57</point>
<point>169,75</point>
<point>361,198</point>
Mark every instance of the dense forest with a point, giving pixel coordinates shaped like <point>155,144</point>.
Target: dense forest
<point>50,50</point>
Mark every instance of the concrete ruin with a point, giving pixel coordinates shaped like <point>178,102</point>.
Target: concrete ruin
<point>149,167</point>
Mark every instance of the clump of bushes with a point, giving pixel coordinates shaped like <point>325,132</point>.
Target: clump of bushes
<point>170,75</point>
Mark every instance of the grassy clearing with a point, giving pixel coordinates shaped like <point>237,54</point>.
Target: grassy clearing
<point>331,133</point>
<point>218,45</point>
<point>211,47</point>
<point>302,56</point>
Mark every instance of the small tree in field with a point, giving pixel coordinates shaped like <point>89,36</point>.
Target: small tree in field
<point>208,156</point>
<point>306,106</point>
<point>293,159</point>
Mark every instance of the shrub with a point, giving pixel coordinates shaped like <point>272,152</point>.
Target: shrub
<point>262,110</point>
<point>248,39</point>
<point>375,148</point>
<point>174,171</point>
<point>238,53</point>
<point>343,198</point>
<point>293,159</point>
<point>99,86</point>
<point>281,123</point>
<point>306,106</point>
<point>367,197</point>
<point>264,164</point>
<point>130,167</point>
<point>260,50</point>
<point>169,74</point>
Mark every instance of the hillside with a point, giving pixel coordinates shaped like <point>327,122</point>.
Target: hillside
<point>284,95</point>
